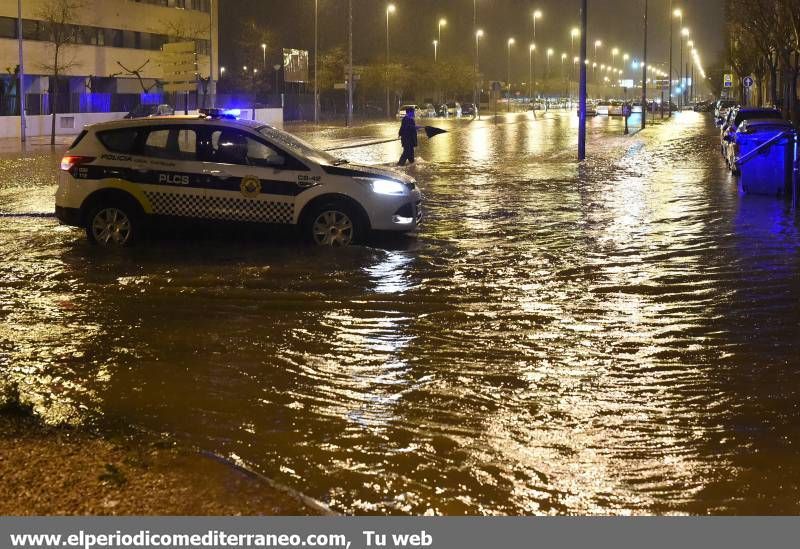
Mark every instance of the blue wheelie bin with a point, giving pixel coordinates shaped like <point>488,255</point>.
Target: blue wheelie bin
<point>764,156</point>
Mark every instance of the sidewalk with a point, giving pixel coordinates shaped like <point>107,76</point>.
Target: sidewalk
<point>65,471</point>
<point>12,145</point>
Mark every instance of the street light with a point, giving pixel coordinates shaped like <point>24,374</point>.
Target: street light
<point>677,14</point>
<point>614,54</point>
<point>536,15</point>
<point>478,36</point>
<point>550,53</point>
<point>389,10</point>
<point>511,42</point>
<point>684,36</point>
<point>435,51</point>
<point>442,23</point>
<point>531,49</point>
<point>264,52</point>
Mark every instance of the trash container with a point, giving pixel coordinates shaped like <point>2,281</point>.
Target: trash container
<point>765,156</point>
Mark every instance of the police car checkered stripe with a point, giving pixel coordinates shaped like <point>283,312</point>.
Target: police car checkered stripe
<point>220,207</point>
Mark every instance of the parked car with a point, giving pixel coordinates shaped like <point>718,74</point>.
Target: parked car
<point>441,111</point>
<point>454,110</point>
<point>143,111</point>
<point>615,109</point>
<point>746,130</point>
<point>722,108</point>
<point>735,118</point>
<point>604,108</point>
<point>469,109</point>
<point>426,111</point>
<point>402,112</point>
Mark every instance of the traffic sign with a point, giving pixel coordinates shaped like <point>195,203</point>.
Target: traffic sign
<point>728,80</point>
<point>748,82</point>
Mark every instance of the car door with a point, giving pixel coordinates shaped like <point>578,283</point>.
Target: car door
<point>169,171</point>
<point>250,179</point>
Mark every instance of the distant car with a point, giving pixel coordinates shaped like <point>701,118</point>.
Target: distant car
<point>615,109</point>
<point>402,112</point>
<point>454,109</point>
<point>603,108</point>
<point>766,127</point>
<point>143,111</point>
<point>426,111</point>
<point>469,109</point>
<point>441,111</point>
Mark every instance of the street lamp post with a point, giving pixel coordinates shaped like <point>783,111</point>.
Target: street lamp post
<point>582,85</point>
<point>478,36</point>
<point>435,50</point>
<point>597,44</point>
<point>644,70</point>
<point>442,23</point>
<point>689,50</point>
<point>573,34</point>
<point>684,35</point>
<point>550,53</point>
<point>563,72</point>
<point>536,15</point>
<point>264,52</point>
<point>316,66</point>
<point>614,54</point>
<point>389,10</point>
<point>508,102</point>
<point>531,50</point>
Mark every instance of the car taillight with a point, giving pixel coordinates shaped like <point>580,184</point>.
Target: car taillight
<point>68,162</point>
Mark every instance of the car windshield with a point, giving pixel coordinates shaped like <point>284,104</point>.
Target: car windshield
<point>298,146</point>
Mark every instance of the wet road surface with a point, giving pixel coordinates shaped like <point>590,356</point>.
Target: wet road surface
<point>617,337</point>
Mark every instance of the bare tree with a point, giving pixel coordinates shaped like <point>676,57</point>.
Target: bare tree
<point>138,74</point>
<point>57,18</point>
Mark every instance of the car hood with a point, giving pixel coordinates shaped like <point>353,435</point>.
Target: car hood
<point>359,170</point>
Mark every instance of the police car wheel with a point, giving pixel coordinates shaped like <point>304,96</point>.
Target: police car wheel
<point>111,226</point>
<point>334,225</point>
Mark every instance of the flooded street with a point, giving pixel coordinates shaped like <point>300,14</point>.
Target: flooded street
<point>621,336</point>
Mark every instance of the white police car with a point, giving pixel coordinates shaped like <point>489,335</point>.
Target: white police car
<point>119,176</point>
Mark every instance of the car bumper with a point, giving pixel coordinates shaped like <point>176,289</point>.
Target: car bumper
<point>403,215</point>
<point>68,216</point>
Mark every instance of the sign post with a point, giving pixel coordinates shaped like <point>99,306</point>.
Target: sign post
<point>179,69</point>
<point>748,88</point>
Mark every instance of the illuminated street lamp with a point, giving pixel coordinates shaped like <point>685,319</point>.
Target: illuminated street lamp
<point>531,50</point>
<point>442,23</point>
<point>536,15</point>
<point>511,42</point>
<point>684,35</point>
<point>390,9</point>
<point>435,51</point>
<point>264,52</point>
<point>614,54</point>
<point>677,14</point>
<point>550,53</point>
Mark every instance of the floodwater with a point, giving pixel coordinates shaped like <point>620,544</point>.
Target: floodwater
<point>617,337</point>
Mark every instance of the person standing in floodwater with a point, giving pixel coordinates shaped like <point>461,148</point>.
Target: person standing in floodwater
<point>408,137</point>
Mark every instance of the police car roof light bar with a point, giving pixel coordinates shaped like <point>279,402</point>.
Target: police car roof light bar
<point>217,114</point>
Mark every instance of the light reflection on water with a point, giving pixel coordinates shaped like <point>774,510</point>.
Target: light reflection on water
<point>617,337</point>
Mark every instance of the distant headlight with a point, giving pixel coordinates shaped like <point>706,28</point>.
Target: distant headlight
<point>393,188</point>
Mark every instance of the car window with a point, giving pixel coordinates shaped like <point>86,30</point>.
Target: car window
<point>236,147</point>
<point>171,144</point>
<point>120,141</point>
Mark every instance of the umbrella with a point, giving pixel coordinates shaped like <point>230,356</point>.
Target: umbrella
<point>430,131</point>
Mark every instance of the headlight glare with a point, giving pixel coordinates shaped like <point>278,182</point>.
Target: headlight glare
<point>383,186</point>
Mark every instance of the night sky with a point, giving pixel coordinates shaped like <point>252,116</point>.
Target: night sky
<point>414,26</point>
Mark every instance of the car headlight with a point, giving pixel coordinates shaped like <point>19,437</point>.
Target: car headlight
<point>383,186</point>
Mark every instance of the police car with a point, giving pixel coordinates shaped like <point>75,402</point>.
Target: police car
<point>118,177</point>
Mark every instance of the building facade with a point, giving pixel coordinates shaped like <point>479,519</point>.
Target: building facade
<point>116,60</point>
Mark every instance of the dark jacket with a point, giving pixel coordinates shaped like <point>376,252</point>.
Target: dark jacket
<point>408,132</point>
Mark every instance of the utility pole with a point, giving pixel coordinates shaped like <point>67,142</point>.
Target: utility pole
<point>316,66</point>
<point>582,85</point>
<point>670,17</point>
<point>21,82</point>
<point>349,63</point>
<point>644,70</point>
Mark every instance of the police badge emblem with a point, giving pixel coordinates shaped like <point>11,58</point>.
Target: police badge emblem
<point>251,186</point>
